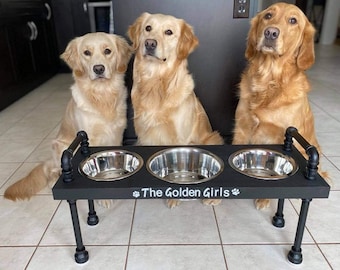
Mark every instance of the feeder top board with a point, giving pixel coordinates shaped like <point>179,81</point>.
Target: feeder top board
<point>228,184</point>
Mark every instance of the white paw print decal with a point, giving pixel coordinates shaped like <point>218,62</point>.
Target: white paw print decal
<point>235,191</point>
<point>136,194</point>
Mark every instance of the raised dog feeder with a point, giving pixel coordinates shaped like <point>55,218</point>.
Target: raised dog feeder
<point>185,165</point>
<point>195,172</point>
<point>111,165</point>
<point>263,164</point>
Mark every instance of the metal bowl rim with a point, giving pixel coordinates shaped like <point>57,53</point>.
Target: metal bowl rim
<point>203,151</point>
<point>97,154</point>
<point>289,158</point>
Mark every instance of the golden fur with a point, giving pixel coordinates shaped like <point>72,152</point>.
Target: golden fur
<point>274,87</point>
<point>98,105</point>
<point>166,109</point>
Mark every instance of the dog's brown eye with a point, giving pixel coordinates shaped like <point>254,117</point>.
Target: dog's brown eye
<point>292,20</point>
<point>268,16</point>
<point>107,51</point>
<point>148,28</point>
<point>87,53</point>
<point>168,32</point>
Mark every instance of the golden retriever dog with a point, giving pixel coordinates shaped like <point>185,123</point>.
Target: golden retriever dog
<point>98,105</point>
<point>274,87</point>
<point>166,109</point>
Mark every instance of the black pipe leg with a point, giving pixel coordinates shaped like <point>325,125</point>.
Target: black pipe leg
<point>81,255</point>
<point>278,220</point>
<point>295,254</point>
<point>92,218</point>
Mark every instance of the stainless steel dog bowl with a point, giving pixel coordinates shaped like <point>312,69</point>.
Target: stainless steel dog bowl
<point>111,165</point>
<point>263,164</point>
<point>185,165</point>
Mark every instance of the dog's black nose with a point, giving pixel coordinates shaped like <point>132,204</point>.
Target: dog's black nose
<point>271,33</point>
<point>98,69</point>
<point>150,44</point>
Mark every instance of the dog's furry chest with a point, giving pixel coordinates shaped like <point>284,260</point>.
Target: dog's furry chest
<point>103,120</point>
<point>274,100</point>
<point>265,90</point>
<point>161,98</point>
<point>164,124</point>
<point>160,115</point>
<point>105,104</point>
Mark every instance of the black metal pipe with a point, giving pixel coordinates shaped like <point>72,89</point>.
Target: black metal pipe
<point>295,254</point>
<point>81,255</point>
<point>66,158</point>
<point>81,136</point>
<point>84,144</point>
<point>292,131</point>
<point>312,163</point>
<point>66,166</point>
<point>278,220</point>
<point>92,218</point>
<point>288,142</point>
<point>311,151</point>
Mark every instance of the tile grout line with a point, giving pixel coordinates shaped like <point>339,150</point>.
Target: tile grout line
<point>129,242</point>
<point>220,237</point>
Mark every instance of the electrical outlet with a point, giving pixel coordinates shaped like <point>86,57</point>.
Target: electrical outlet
<point>241,8</point>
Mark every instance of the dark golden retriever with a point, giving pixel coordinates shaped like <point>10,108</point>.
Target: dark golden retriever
<point>274,86</point>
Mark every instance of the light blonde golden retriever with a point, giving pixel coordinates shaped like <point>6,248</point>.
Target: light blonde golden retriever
<point>274,87</point>
<point>98,105</point>
<point>166,109</point>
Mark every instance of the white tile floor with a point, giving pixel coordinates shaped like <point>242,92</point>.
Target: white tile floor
<point>145,234</point>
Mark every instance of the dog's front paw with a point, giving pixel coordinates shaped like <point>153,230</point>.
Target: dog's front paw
<point>171,203</point>
<point>105,203</point>
<point>212,201</point>
<point>262,203</point>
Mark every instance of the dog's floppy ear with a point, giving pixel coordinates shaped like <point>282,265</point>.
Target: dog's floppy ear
<point>71,58</point>
<point>135,30</point>
<point>187,41</point>
<point>306,56</point>
<point>251,39</point>
<point>124,52</point>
